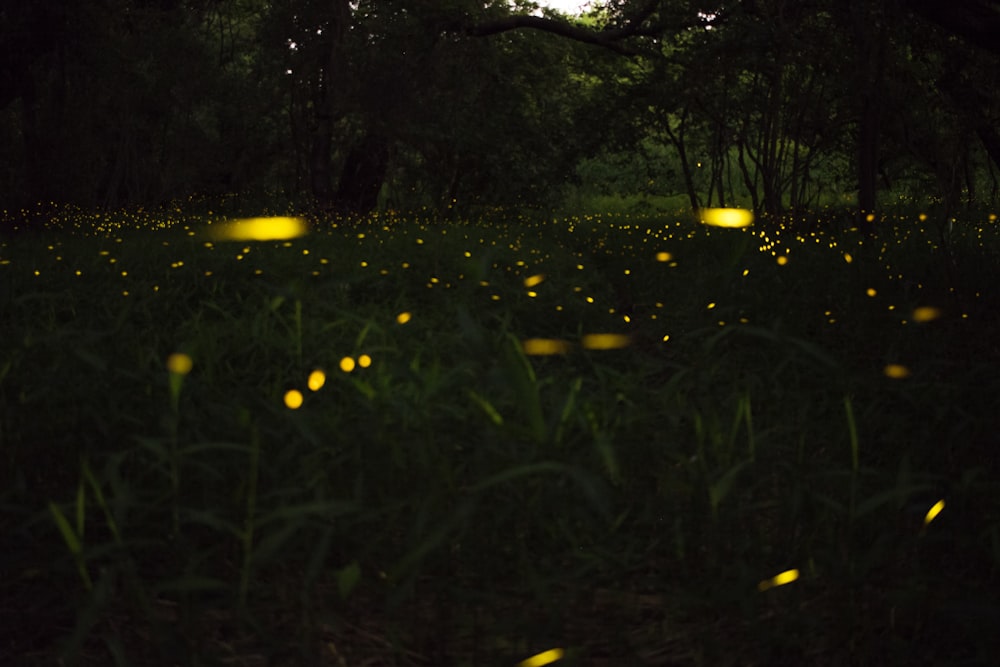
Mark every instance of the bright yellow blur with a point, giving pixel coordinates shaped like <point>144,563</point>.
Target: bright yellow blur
<point>545,346</point>
<point>531,281</point>
<point>896,371</point>
<point>926,314</point>
<point>403,318</point>
<point>316,380</point>
<point>605,341</point>
<point>179,363</point>
<point>293,399</point>
<point>786,577</point>
<point>726,217</point>
<point>260,229</point>
<point>543,658</point>
<point>347,364</point>
<point>934,511</point>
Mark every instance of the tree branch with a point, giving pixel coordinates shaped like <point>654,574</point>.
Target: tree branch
<point>609,38</point>
<point>978,21</point>
<point>561,28</point>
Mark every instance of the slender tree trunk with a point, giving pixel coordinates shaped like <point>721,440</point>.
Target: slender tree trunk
<point>362,176</point>
<point>329,79</point>
<point>872,30</point>
<point>677,139</point>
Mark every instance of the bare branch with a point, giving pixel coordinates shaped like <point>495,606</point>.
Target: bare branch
<point>606,38</point>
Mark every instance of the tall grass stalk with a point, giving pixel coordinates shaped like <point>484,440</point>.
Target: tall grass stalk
<point>250,518</point>
<point>456,500</point>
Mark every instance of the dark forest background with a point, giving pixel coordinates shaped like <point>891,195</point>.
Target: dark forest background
<point>462,106</point>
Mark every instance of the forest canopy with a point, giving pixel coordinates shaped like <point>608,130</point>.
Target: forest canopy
<point>463,106</point>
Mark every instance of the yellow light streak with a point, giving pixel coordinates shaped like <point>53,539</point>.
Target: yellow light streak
<point>532,281</point>
<point>606,341</point>
<point>786,577</point>
<point>545,346</point>
<point>934,511</point>
<point>726,217</point>
<point>260,229</point>
<point>543,658</point>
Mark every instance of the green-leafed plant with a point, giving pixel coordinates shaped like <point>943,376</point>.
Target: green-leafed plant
<point>639,441</point>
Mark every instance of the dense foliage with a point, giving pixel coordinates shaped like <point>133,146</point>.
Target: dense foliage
<point>463,106</point>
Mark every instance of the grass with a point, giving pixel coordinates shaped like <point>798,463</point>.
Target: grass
<point>445,497</point>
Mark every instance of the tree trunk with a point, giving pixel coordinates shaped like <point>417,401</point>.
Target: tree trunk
<point>872,30</point>
<point>362,176</point>
<point>868,133</point>
<point>677,139</point>
<point>330,78</point>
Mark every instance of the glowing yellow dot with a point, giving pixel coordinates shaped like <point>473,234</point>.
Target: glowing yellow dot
<point>663,257</point>
<point>782,260</point>
<point>543,658</point>
<point>786,577</point>
<point>870,217</point>
<point>926,314</point>
<point>293,399</point>
<point>934,511</point>
<point>710,306</point>
<point>179,363</point>
<point>871,291</point>
<point>848,258</point>
<point>364,361</point>
<point>896,371</point>
<point>922,217</point>
<point>316,380</point>
<point>536,279</point>
<point>347,364</point>
<point>403,318</point>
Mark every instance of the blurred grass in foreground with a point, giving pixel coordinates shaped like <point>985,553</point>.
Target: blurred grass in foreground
<point>410,443</point>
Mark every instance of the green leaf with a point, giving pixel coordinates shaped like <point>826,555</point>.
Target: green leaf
<point>718,491</point>
<point>487,407</point>
<point>348,578</point>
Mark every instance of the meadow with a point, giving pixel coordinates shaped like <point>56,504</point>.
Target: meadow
<point>598,440</point>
